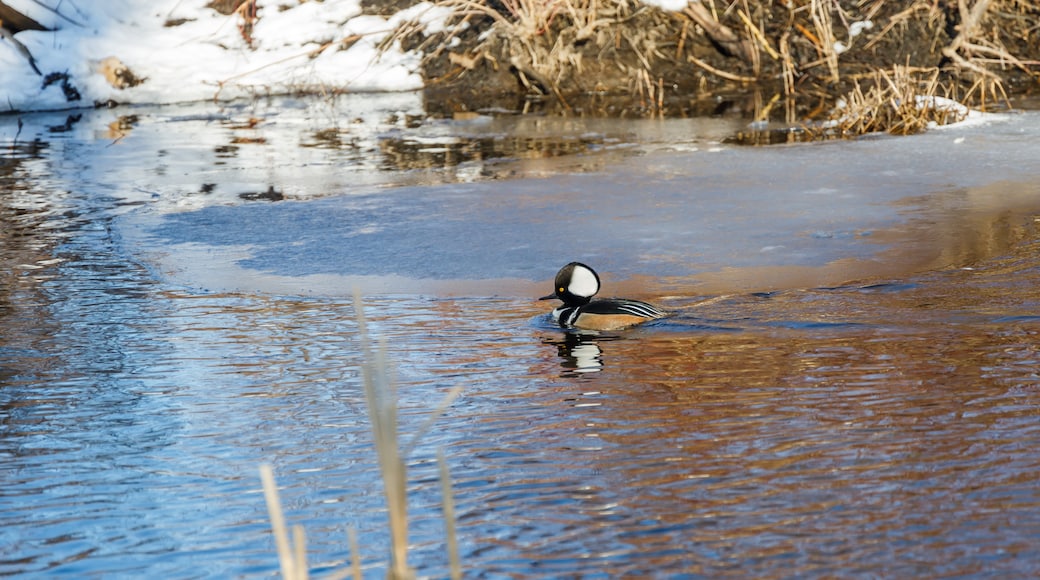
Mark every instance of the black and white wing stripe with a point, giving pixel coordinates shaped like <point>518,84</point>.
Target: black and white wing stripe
<point>637,308</point>
<point>622,306</point>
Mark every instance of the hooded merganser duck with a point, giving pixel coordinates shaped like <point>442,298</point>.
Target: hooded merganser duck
<point>576,284</point>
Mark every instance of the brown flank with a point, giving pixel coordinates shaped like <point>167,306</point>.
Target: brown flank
<point>607,321</point>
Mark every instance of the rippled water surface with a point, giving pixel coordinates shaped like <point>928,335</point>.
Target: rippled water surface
<point>849,384</point>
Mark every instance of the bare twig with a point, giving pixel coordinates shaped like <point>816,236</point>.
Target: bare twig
<point>757,33</point>
<point>21,48</point>
<point>721,73</point>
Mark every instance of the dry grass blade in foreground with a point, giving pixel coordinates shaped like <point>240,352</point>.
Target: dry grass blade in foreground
<point>292,558</point>
<point>381,396</point>
<point>448,501</point>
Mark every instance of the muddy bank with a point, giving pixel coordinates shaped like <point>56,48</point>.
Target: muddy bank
<point>786,61</point>
<point>769,60</point>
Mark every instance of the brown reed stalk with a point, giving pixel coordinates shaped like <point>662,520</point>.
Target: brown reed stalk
<point>381,398</point>
<point>291,559</point>
<point>381,394</point>
<point>448,501</point>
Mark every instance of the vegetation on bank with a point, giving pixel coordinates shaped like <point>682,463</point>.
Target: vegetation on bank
<point>775,60</point>
<point>799,57</point>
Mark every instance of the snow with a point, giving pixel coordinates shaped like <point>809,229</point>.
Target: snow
<point>207,56</point>
<point>857,28</point>
<point>968,116</point>
<point>668,5</point>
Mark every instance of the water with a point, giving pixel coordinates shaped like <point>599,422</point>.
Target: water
<point>848,385</point>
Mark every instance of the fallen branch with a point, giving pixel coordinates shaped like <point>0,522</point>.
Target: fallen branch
<point>969,23</point>
<point>722,35</point>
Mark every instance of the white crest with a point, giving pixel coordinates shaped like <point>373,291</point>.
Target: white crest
<point>583,282</point>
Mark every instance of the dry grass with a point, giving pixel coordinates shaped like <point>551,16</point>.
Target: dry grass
<point>557,47</point>
<point>381,396</point>
<point>448,501</point>
<point>293,566</point>
<point>823,24</point>
<point>568,48</point>
<point>900,102</point>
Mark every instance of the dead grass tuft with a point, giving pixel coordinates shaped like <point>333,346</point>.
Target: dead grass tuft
<point>900,102</point>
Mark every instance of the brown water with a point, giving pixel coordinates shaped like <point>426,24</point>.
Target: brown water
<point>829,425</point>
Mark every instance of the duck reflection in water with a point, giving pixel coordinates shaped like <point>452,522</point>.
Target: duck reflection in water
<point>580,351</point>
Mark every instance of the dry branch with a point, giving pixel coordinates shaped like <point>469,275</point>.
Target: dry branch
<point>720,34</point>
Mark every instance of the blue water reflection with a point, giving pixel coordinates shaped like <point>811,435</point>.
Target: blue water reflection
<point>885,427</point>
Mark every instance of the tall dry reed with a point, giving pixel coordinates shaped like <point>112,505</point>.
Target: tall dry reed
<point>381,399</point>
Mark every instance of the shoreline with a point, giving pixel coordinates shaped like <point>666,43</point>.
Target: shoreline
<point>791,64</point>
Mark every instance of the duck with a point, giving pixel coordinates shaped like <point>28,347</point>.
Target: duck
<point>576,284</point>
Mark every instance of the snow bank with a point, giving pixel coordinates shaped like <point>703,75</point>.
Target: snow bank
<point>184,51</point>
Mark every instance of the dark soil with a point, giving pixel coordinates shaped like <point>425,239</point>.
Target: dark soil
<point>650,62</point>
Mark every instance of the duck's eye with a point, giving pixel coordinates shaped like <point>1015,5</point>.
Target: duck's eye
<point>562,290</point>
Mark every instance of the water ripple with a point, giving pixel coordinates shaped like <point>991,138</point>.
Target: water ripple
<point>886,429</point>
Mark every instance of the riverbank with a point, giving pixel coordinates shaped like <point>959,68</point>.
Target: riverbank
<point>791,63</point>
<point>794,60</point>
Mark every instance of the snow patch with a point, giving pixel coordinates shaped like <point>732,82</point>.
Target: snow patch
<point>187,52</point>
<point>668,5</point>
